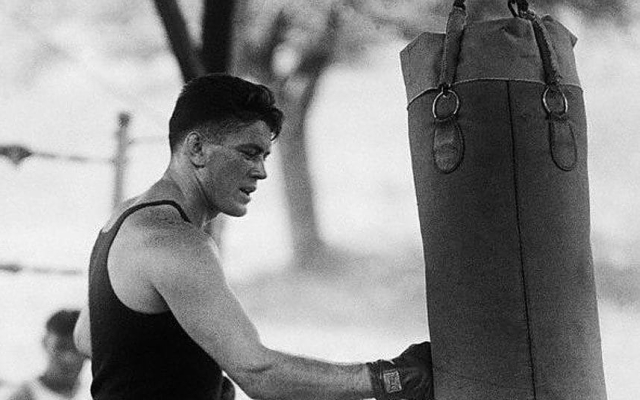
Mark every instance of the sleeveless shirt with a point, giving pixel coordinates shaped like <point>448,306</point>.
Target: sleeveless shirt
<point>142,355</point>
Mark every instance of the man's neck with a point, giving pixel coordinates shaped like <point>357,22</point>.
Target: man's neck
<point>190,195</point>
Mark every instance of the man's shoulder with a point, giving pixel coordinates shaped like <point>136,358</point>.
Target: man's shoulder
<point>159,218</point>
<point>162,226</point>
<point>160,235</point>
<point>155,234</point>
<point>154,248</point>
<point>174,250</point>
<point>154,220</point>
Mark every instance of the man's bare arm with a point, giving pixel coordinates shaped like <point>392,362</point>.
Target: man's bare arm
<point>286,376</point>
<point>82,332</point>
<point>188,275</point>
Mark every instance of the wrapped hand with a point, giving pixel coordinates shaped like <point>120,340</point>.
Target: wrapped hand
<point>408,376</point>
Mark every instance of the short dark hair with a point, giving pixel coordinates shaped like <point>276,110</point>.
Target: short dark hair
<point>225,100</point>
<point>62,322</point>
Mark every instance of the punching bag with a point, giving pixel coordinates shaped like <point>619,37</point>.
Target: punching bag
<point>499,155</point>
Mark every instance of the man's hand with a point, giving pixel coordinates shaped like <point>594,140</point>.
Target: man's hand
<point>409,376</point>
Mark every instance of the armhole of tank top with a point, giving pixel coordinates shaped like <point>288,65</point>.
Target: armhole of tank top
<point>114,231</point>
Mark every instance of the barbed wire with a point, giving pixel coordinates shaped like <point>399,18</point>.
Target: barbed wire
<point>15,268</point>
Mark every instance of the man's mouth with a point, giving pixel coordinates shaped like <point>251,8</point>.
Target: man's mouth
<point>248,190</point>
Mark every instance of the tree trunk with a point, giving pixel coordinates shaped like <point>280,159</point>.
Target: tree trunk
<point>310,251</point>
<point>308,246</point>
<point>217,35</point>
<point>179,38</point>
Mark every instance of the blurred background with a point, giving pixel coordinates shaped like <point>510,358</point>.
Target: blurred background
<point>328,262</point>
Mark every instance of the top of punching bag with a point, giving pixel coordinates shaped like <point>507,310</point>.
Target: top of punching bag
<point>502,49</point>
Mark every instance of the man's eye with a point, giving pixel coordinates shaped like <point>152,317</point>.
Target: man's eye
<point>250,155</point>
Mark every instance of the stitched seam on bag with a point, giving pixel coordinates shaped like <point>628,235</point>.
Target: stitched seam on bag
<point>520,249</point>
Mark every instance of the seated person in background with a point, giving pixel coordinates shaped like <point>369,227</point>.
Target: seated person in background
<point>64,362</point>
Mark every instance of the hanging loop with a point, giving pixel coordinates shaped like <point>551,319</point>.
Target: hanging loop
<point>555,101</point>
<point>445,105</point>
<point>521,8</point>
<point>459,4</point>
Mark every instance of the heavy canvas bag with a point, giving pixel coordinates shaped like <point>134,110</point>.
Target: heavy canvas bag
<point>499,154</point>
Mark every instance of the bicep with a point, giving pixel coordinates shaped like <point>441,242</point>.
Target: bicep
<point>194,287</point>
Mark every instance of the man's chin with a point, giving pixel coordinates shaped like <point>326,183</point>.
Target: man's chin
<point>236,211</point>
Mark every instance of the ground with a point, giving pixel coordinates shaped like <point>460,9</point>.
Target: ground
<point>368,307</point>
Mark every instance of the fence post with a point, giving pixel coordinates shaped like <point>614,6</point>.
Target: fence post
<point>120,158</point>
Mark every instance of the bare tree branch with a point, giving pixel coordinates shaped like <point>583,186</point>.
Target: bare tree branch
<point>317,57</point>
<point>260,55</point>
<point>179,38</point>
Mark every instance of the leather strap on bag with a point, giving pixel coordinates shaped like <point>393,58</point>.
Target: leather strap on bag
<point>453,37</point>
<point>562,140</point>
<point>448,141</point>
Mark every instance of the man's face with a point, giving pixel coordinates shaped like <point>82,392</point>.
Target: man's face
<point>234,167</point>
<point>65,361</point>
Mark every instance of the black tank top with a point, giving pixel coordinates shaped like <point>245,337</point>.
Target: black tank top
<point>138,356</point>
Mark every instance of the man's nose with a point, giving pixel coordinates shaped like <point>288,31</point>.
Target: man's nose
<point>259,171</point>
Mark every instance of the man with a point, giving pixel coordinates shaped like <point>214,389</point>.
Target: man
<point>59,381</point>
<point>162,322</point>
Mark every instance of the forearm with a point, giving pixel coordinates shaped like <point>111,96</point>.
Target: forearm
<point>285,376</point>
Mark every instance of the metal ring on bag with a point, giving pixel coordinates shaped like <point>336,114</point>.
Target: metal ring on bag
<point>545,103</point>
<point>444,94</point>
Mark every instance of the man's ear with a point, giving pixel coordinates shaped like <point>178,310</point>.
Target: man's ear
<point>194,149</point>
